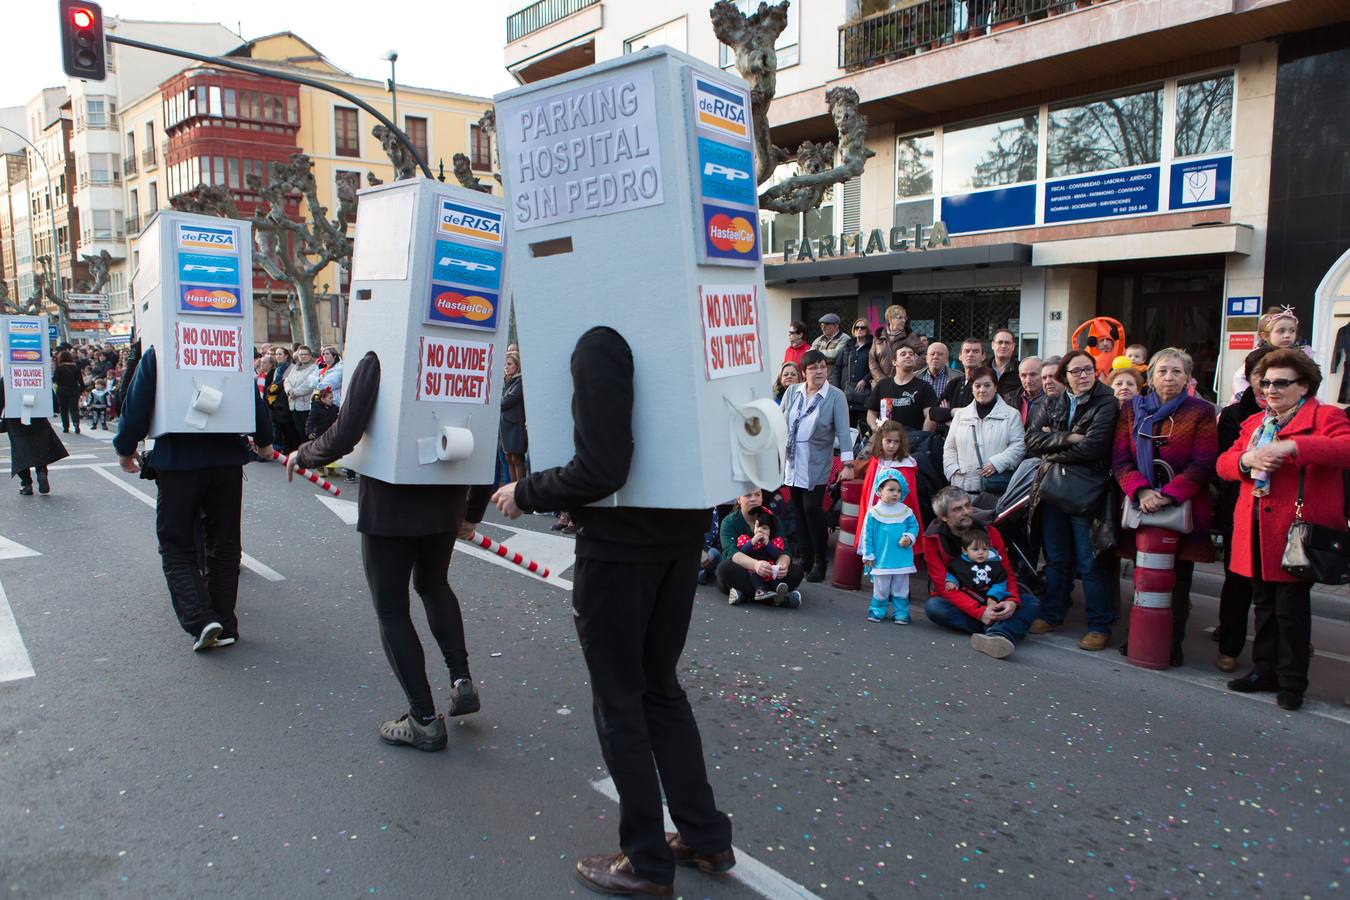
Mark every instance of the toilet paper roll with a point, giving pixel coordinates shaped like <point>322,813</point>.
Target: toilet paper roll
<point>454,444</point>
<point>204,403</point>
<point>759,443</point>
<point>26,408</point>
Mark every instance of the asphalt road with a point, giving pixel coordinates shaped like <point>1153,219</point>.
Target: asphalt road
<point>855,759</point>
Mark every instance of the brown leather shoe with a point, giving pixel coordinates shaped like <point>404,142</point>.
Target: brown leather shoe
<point>1226,663</point>
<point>1094,640</point>
<point>1040,626</point>
<point>708,863</point>
<point>612,873</point>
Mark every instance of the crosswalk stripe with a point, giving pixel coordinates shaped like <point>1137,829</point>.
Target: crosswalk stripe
<point>14,660</point>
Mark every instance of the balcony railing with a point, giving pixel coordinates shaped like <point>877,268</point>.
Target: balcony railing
<point>107,120</point>
<point>148,158</point>
<point>129,165</point>
<point>99,179</point>
<point>133,225</point>
<point>541,15</point>
<point>928,24</point>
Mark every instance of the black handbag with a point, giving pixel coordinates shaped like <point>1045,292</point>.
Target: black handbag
<point>994,484</point>
<point>1316,552</point>
<point>1073,489</point>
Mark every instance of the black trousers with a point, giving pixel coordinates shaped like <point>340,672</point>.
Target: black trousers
<point>812,535</point>
<point>1283,627</point>
<point>632,620</point>
<point>301,419</point>
<point>389,563</point>
<point>26,475</point>
<point>731,575</point>
<point>1235,602</point>
<point>213,500</point>
<point>69,407</point>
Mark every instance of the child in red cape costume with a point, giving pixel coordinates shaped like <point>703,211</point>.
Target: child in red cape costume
<point>908,468</point>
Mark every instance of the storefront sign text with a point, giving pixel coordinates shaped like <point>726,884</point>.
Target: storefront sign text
<point>900,239</point>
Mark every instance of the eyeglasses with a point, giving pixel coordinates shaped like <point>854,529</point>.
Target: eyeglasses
<point>793,333</point>
<point>1278,384</point>
<point>860,328</point>
<point>1081,371</point>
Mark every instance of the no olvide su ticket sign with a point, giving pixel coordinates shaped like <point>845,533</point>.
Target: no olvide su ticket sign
<point>451,371</point>
<point>732,344</point>
<point>208,348</point>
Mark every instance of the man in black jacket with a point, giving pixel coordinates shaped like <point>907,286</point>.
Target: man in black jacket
<point>200,478</point>
<point>407,531</point>
<point>633,598</point>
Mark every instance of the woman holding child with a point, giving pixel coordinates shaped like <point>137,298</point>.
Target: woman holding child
<point>755,563</point>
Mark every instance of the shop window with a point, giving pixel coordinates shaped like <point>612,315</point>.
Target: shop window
<point>415,128</point>
<point>782,227</point>
<point>983,156</point>
<point>914,179</point>
<point>346,138</point>
<point>1204,116</point>
<point>1106,134</point>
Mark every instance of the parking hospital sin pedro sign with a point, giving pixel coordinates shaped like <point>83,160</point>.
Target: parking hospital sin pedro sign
<point>731,338</point>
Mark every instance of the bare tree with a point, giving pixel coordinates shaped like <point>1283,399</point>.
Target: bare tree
<point>752,38</point>
<point>462,167</point>
<point>288,251</point>
<point>98,272</point>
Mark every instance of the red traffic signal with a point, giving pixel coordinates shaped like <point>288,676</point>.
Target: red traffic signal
<point>82,49</point>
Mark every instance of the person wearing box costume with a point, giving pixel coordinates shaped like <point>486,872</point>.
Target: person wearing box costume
<point>633,599</point>
<point>200,477</point>
<point>407,531</point>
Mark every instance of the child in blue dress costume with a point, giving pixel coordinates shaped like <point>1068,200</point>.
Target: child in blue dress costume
<point>889,535</point>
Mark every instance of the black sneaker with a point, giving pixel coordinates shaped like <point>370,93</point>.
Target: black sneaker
<point>25,489</point>
<point>44,486</point>
<point>1254,682</point>
<point>1289,700</point>
<point>817,574</point>
<point>464,697</point>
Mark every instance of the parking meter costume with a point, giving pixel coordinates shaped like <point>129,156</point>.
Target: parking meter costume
<point>193,392</point>
<point>26,401</point>
<point>630,200</point>
<point>418,419</point>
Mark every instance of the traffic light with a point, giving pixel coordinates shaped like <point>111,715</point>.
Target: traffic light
<point>82,53</point>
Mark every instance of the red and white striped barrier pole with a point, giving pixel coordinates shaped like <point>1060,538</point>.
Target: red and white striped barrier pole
<point>488,544</point>
<point>301,470</point>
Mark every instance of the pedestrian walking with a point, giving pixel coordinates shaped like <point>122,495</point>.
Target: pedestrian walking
<point>633,598</point>
<point>69,386</point>
<point>200,481</point>
<point>408,531</point>
<point>32,448</point>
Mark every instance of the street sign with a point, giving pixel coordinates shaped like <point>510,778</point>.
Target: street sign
<point>87,307</point>
<point>87,298</point>
<point>52,333</point>
<point>85,317</point>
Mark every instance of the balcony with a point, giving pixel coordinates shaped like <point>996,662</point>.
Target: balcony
<point>99,123</point>
<point>550,37</point>
<point>133,225</point>
<point>148,160</point>
<point>129,165</point>
<point>99,179</point>
<point>921,25</point>
<point>540,15</point>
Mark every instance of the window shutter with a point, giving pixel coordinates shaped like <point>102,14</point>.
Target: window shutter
<point>851,204</point>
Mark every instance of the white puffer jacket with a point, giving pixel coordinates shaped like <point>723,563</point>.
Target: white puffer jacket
<point>998,438</point>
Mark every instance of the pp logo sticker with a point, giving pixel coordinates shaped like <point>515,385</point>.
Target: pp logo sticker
<point>730,234</point>
<point>725,172</point>
<point>463,264</point>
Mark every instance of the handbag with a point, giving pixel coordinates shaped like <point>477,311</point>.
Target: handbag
<point>994,484</point>
<point>1072,489</point>
<point>1178,517</point>
<point>1316,552</point>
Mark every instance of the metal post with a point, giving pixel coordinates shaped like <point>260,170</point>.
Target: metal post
<point>280,76</point>
<point>56,246</point>
<point>392,56</point>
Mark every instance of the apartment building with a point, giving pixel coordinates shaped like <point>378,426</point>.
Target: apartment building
<point>213,125</point>
<point>1167,164</point>
<point>13,181</point>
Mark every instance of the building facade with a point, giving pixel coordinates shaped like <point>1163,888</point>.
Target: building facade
<point>1082,158</point>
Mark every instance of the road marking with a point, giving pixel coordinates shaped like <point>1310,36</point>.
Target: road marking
<point>252,564</point>
<point>102,465</point>
<point>346,511</point>
<point>14,660</point>
<point>14,550</point>
<point>555,551</point>
<point>749,871</point>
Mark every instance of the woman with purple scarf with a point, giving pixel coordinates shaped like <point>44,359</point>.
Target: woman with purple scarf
<point>1169,426</point>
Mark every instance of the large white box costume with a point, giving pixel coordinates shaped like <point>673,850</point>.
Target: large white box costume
<point>193,288</point>
<point>427,298</point>
<point>631,203</point>
<point>26,357</point>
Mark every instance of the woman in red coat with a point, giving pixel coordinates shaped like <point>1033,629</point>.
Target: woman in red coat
<point>1168,425</point>
<point>1296,436</point>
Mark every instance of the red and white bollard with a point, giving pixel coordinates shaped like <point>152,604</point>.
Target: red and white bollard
<point>1151,616</point>
<point>847,563</point>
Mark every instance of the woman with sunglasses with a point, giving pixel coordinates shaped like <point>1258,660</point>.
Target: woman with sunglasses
<point>855,375</point>
<point>1167,425</point>
<point>1294,452</point>
<point>1075,430</point>
<point>797,345</point>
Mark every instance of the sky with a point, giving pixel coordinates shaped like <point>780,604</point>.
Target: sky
<point>454,55</point>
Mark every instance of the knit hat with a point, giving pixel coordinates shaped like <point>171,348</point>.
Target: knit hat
<point>890,474</point>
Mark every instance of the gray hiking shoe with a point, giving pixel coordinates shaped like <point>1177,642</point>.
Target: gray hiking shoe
<point>208,637</point>
<point>410,732</point>
<point>996,645</point>
<point>464,697</point>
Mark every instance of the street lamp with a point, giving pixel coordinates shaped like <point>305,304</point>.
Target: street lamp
<point>56,245</point>
<point>391,85</point>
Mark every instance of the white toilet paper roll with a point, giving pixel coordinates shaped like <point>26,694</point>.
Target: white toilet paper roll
<point>759,443</point>
<point>204,403</point>
<point>454,444</point>
<point>26,408</point>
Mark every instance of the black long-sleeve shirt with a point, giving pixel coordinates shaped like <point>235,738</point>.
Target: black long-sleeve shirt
<point>384,509</point>
<point>602,418</point>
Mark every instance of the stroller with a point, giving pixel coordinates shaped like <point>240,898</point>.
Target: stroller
<point>1012,516</point>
